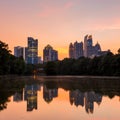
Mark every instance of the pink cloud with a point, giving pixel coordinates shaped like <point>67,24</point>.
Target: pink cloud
<point>53,10</point>
<point>47,11</point>
<point>69,4</point>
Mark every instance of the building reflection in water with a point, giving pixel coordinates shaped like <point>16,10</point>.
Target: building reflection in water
<point>49,94</point>
<point>88,98</point>
<point>76,97</point>
<point>18,96</point>
<point>30,95</point>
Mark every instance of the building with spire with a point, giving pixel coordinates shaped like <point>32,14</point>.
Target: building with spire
<point>89,49</point>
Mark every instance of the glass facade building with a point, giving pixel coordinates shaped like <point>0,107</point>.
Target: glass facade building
<point>76,50</point>
<point>49,54</point>
<point>18,51</point>
<point>32,52</point>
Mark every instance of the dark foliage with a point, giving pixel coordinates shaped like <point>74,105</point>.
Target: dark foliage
<point>106,65</point>
<point>50,68</point>
<point>9,64</point>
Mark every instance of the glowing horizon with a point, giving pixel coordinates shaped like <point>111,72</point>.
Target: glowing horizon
<point>59,23</point>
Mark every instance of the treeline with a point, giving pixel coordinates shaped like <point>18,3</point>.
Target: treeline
<point>9,64</point>
<point>107,65</point>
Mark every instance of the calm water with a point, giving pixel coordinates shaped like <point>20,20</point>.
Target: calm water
<point>59,98</point>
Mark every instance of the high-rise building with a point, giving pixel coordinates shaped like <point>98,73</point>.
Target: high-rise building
<point>89,49</point>
<point>49,54</point>
<point>21,52</point>
<point>97,49</point>
<point>71,50</point>
<point>88,46</point>
<point>25,53</point>
<point>76,50</point>
<point>18,51</point>
<point>32,52</point>
<point>85,45</point>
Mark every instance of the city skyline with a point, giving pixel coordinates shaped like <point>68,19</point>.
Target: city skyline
<point>60,22</point>
<point>76,50</point>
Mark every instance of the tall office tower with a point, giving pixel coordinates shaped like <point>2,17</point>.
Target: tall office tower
<point>97,49</point>
<point>90,48</point>
<point>49,54</point>
<point>78,50</point>
<point>18,51</point>
<point>85,45</point>
<point>54,55</point>
<point>32,54</point>
<point>71,51</point>
<point>81,52</point>
<point>25,53</point>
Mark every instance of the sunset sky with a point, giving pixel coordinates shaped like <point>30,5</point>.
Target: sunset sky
<point>59,22</point>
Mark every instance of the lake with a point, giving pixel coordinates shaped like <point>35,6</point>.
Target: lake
<point>59,98</point>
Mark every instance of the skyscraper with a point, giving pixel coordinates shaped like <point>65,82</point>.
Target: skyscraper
<point>18,51</point>
<point>97,49</point>
<point>71,51</point>
<point>49,54</point>
<point>21,52</point>
<point>85,45</point>
<point>76,50</point>
<point>25,53</point>
<point>90,48</point>
<point>32,54</point>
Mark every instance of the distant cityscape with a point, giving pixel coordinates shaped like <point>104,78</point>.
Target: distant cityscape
<point>30,53</point>
<point>86,49</point>
<point>76,50</point>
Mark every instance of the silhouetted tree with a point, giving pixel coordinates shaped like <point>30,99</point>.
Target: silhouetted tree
<point>119,51</point>
<point>4,58</point>
<point>108,64</point>
<point>9,64</point>
<point>50,68</point>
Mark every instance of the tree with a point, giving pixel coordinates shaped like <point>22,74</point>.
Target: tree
<point>119,51</point>
<point>4,58</point>
<point>50,68</point>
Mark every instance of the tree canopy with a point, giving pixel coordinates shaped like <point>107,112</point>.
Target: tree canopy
<point>9,64</point>
<point>106,65</point>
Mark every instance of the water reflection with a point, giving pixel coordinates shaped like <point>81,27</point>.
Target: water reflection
<point>30,95</point>
<point>49,94</point>
<point>88,98</point>
<point>82,92</point>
